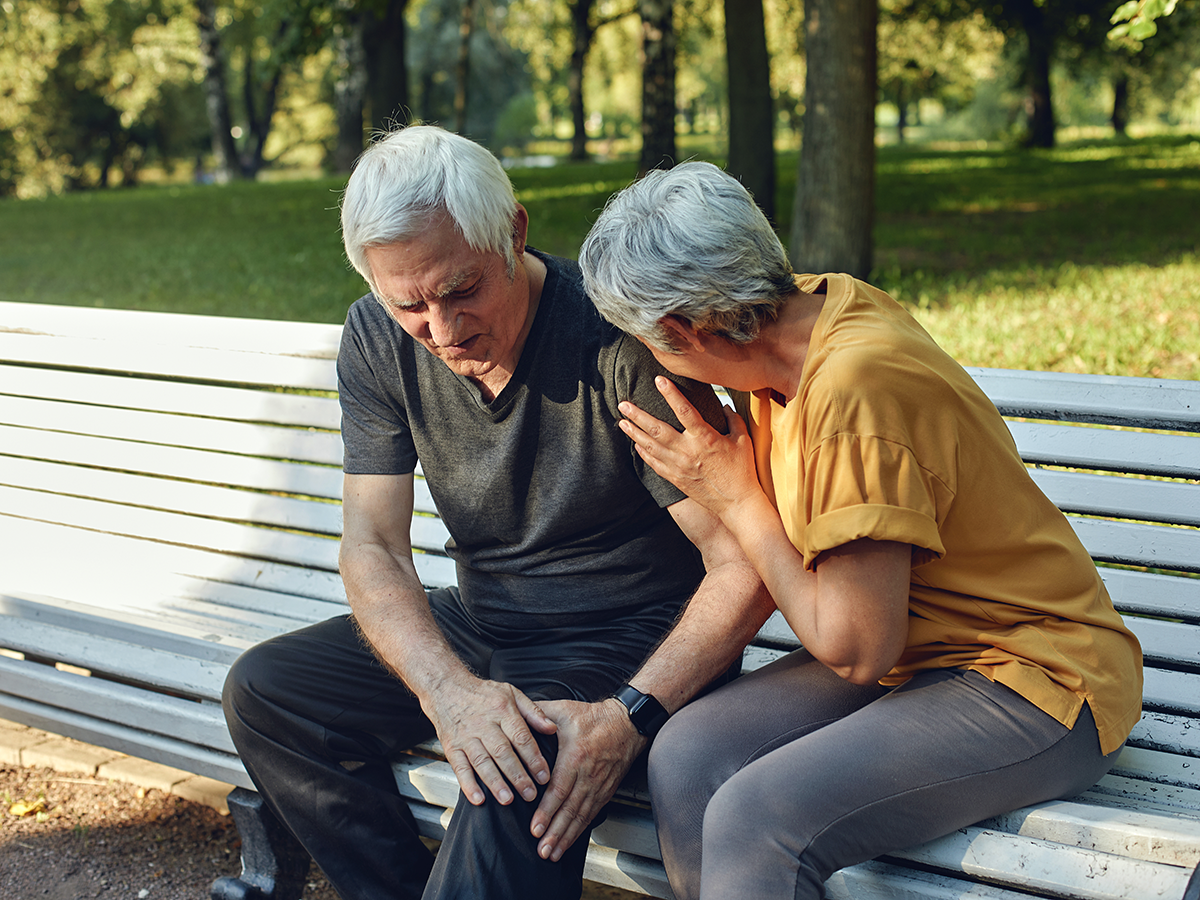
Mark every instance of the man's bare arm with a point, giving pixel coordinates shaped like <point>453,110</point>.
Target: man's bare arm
<point>483,725</point>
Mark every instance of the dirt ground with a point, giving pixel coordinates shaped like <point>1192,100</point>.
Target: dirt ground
<point>70,838</point>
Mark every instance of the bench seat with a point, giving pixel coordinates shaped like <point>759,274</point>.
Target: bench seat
<point>170,493</point>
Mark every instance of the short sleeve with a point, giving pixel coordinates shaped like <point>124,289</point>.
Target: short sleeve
<point>375,435</point>
<point>635,371</point>
<point>859,486</point>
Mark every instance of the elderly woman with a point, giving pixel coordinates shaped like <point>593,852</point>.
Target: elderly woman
<point>961,656</point>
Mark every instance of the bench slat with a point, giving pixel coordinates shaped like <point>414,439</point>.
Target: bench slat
<point>1167,690</point>
<point>204,500</point>
<point>1172,642</point>
<point>193,432</point>
<point>1158,767</point>
<point>196,723</point>
<point>1159,403</point>
<point>1073,446</point>
<point>123,739</point>
<point>1133,544</point>
<point>1168,732</point>
<point>1125,498</point>
<point>39,545</point>
<point>1055,870</point>
<point>878,880</point>
<point>1153,593</point>
<point>173,462</point>
<point>96,552</point>
<point>213,634</point>
<point>197,678</point>
<point>239,367</point>
<point>207,401</point>
<point>306,339</point>
<point>1134,794</point>
<point>173,528</point>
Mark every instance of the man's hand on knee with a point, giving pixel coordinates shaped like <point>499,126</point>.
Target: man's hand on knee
<point>484,730</point>
<point>596,746</point>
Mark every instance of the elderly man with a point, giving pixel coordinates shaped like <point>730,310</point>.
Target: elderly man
<point>593,598</point>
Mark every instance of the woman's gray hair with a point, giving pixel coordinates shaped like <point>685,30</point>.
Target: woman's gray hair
<point>687,242</point>
<point>409,176</point>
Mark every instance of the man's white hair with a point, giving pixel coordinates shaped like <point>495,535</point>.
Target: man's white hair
<point>410,176</point>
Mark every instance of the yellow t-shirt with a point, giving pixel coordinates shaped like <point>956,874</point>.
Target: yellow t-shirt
<point>888,438</point>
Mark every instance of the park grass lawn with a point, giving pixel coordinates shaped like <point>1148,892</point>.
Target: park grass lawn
<point>1085,258</point>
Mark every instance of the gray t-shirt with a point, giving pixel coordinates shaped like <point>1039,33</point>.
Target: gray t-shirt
<point>549,508</point>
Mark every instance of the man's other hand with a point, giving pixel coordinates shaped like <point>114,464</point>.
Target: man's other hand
<point>596,746</point>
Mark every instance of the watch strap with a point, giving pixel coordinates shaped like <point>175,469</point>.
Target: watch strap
<point>645,712</point>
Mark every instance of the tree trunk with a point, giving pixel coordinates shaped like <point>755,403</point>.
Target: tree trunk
<point>1039,107</point>
<point>1120,107</point>
<point>658,84</point>
<point>220,121</point>
<point>387,67</point>
<point>463,69</point>
<point>834,211</point>
<point>348,90</point>
<point>582,32</point>
<point>260,111</point>
<point>751,110</point>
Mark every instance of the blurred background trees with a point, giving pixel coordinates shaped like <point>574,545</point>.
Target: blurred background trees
<point>105,93</point>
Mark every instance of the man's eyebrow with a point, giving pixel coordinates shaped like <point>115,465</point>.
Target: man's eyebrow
<point>454,282</point>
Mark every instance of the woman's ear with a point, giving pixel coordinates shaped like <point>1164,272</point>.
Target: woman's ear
<point>682,333</point>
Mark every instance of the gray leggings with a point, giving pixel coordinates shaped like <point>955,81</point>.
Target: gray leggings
<point>766,787</point>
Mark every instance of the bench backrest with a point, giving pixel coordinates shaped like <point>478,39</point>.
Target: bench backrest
<point>180,474</point>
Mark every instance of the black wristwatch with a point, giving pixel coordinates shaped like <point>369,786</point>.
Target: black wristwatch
<point>646,713</point>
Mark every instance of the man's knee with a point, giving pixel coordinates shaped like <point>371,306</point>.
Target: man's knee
<point>252,683</point>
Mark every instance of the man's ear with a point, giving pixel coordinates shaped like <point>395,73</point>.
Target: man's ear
<point>520,229</point>
<point>682,333</point>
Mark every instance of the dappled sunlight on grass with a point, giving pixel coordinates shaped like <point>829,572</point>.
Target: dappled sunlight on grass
<point>1118,320</point>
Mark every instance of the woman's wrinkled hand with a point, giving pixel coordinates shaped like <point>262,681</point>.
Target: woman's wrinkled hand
<point>714,469</point>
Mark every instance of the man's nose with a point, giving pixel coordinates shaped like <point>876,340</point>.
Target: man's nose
<point>443,324</point>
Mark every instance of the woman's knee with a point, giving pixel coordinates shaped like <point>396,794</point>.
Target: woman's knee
<point>680,752</point>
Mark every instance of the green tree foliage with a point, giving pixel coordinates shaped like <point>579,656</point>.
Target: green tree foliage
<point>1138,19</point>
<point>1047,30</point>
<point>495,70</point>
<point>91,90</point>
<point>936,50</point>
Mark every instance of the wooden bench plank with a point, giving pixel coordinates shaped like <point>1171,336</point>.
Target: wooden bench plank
<point>118,326</point>
<point>158,668</point>
<point>123,739</point>
<point>1134,544</point>
<point>244,439</point>
<point>1153,593</point>
<point>151,395</point>
<point>1159,768</point>
<point>94,551</point>
<point>1125,498</point>
<point>172,528</point>
<point>156,625</point>
<point>1119,400</point>
<point>187,720</point>
<point>172,462</point>
<point>169,495</point>
<point>238,367</point>
<point>1052,869</point>
<point>1168,732</point>
<point>1073,446</point>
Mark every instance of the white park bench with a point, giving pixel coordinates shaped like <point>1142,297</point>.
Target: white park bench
<point>169,495</point>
